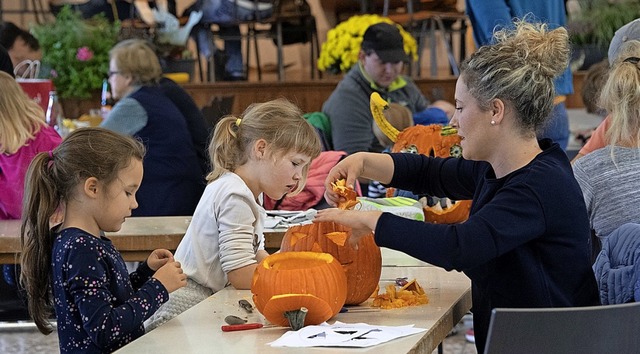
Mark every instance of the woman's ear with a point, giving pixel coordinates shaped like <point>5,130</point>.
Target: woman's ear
<point>497,110</point>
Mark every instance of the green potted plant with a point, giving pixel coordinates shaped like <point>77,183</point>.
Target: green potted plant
<point>75,55</point>
<point>593,26</point>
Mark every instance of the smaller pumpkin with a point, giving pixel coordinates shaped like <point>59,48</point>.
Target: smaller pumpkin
<point>286,282</point>
<point>439,141</point>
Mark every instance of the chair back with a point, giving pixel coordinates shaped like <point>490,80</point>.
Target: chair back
<point>218,107</point>
<point>585,330</point>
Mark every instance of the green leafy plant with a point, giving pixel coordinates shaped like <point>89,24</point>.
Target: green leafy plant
<point>598,20</point>
<point>76,52</point>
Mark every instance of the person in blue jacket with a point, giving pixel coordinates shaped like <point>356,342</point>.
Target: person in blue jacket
<point>526,241</point>
<point>488,15</point>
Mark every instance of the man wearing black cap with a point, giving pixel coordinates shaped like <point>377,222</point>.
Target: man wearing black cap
<point>380,63</point>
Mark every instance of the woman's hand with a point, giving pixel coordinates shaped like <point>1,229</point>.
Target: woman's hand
<point>158,258</point>
<point>367,165</point>
<point>348,169</point>
<point>361,222</point>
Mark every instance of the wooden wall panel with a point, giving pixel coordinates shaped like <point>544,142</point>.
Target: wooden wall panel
<point>308,95</point>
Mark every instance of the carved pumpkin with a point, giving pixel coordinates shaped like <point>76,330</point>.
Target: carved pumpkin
<point>362,267</point>
<point>439,141</point>
<point>285,282</point>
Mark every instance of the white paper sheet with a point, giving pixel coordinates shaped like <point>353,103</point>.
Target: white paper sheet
<point>357,335</point>
<point>284,218</point>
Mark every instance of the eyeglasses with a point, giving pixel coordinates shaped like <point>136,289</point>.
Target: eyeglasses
<point>111,73</point>
<point>632,60</point>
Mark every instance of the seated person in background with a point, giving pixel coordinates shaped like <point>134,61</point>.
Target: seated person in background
<point>626,33</point>
<point>193,116</point>
<point>400,118</point>
<point>173,179</point>
<point>381,61</point>
<point>265,152</point>
<point>24,134</point>
<point>225,13</point>
<point>591,88</point>
<point>90,8</point>
<point>22,46</point>
<point>610,177</point>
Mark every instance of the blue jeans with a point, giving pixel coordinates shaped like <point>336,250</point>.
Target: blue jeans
<point>557,127</point>
<point>94,7</point>
<point>223,12</point>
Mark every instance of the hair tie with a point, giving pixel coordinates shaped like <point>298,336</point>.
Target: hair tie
<point>238,121</point>
<point>51,154</point>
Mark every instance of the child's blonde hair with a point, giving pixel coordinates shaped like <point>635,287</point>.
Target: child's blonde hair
<point>20,116</point>
<point>51,181</point>
<point>399,116</point>
<point>279,122</point>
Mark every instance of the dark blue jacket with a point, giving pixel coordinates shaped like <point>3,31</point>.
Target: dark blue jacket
<point>525,243</point>
<point>173,181</point>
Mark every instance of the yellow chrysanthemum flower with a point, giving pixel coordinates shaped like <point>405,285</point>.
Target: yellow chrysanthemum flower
<point>340,52</point>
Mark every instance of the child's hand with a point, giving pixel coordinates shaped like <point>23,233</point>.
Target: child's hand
<point>171,276</point>
<point>158,258</point>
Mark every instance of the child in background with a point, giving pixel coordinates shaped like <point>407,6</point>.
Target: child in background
<point>266,151</point>
<point>399,117</point>
<point>24,134</point>
<point>99,308</point>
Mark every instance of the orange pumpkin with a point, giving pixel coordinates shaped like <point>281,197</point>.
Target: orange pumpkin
<point>362,267</point>
<point>289,281</point>
<point>440,141</point>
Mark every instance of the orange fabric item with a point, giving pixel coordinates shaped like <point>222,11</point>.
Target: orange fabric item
<point>597,139</point>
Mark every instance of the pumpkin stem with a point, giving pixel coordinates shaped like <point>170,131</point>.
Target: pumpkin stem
<point>296,318</point>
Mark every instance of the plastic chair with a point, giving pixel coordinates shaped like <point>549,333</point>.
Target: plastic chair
<point>219,32</point>
<point>424,20</point>
<point>584,330</point>
<point>290,23</point>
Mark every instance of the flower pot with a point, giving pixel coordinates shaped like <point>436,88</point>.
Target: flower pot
<point>73,107</point>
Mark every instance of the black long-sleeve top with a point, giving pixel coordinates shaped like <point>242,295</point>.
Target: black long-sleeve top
<point>525,243</point>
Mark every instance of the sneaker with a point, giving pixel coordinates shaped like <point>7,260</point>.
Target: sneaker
<point>469,336</point>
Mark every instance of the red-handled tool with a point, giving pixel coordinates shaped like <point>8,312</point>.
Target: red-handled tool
<point>241,327</point>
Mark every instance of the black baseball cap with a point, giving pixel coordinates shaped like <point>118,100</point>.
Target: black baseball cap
<point>386,41</point>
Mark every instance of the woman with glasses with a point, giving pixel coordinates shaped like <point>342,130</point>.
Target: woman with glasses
<point>173,173</point>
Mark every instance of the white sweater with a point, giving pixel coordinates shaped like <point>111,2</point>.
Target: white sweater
<point>225,233</point>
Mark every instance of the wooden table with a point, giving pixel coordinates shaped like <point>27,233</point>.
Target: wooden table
<point>197,330</point>
<point>137,238</point>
